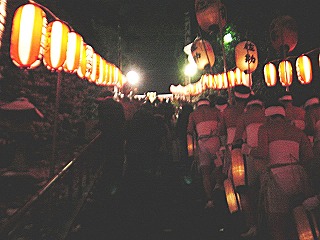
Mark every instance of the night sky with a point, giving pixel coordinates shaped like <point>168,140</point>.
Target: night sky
<point>152,32</point>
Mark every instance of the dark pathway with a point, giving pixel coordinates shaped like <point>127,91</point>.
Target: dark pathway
<point>155,208</point>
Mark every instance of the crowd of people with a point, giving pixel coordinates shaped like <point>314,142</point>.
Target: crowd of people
<point>279,143</point>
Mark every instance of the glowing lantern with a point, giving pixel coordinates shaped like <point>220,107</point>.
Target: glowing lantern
<point>246,56</point>
<point>238,168</point>
<point>102,72</point>
<point>75,43</point>
<point>231,78</point>
<point>3,15</point>
<point>81,71</point>
<point>306,225</point>
<point>270,74</point>
<point>55,53</point>
<point>233,198</point>
<point>283,34</point>
<point>210,14</point>
<point>190,145</point>
<point>224,79</point>
<point>211,82</point>
<point>285,73</point>
<point>246,79</point>
<point>304,69</point>
<point>28,36</point>
<point>89,61</point>
<point>202,53</point>
<point>238,76</point>
<point>95,68</point>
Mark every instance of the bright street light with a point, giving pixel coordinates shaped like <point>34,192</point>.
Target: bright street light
<point>190,69</point>
<point>133,77</point>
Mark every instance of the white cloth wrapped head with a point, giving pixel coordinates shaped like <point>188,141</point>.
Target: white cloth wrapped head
<point>275,110</point>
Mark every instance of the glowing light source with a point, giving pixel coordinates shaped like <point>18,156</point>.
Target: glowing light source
<point>270,74</point>
<point>28,36</point>
<point>304,69</point>
<point>56,45</point>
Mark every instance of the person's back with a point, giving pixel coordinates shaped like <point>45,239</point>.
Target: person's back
<point>295,114</point>
<point>205,123</point>
<point>284,182</point>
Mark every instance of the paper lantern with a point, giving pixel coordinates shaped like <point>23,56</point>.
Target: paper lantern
<point>74,47</point>
<point>231,78</point>
<point>270,74</point>
<point>285,73</point>
<point>190,145</point>
<point>28,36</point>
<point>81,71</point>
<point>233,198</point>
<point>95,68</point>
<point>238,168</point>
<point>246,56</point>
<point>238,76</point>
<point>306,224</point>
<point>55,53</point>
<point>102,72</point>
<point>304,69</point>
<point>246,79</point>
<point>283,34</point>
<point>211,15</point>
<point>3,15</point>
<point>202,53</point>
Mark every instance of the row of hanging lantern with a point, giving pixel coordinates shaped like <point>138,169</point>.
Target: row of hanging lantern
<point>285,72</point>
<point>220,81</point>
<point>34,40</point>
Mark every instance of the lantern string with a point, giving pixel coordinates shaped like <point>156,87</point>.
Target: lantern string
<point>51,13</point>
<point>291,57</point>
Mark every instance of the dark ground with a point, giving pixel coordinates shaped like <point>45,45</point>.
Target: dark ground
<point>162,207</point>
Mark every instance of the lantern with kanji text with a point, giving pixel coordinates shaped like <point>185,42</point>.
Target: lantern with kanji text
<point>203,54</point>
<point>246,56</point>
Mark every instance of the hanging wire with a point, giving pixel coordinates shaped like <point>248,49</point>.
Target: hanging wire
<point>51,13</point>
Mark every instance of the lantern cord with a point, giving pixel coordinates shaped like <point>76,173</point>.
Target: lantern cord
<point>306,53</point>
<point>205,49</point>
<point>51,13</point>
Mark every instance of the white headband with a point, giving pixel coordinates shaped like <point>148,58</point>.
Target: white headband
<point>203,102</point>
<point>241,95</point>
<point>255,102</point>
<point>221,107</point>
<point>311,101</point>
<point>273,110</point>
<point>286,98</point>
